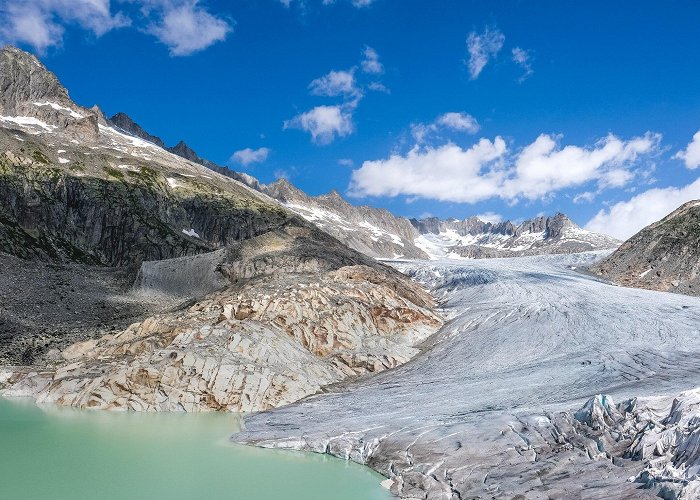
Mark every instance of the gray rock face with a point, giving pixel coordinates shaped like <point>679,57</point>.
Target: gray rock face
<point>372,231</point>
<point>90,210</point>
<point>663,256</point>
<point>125,123</point>
<point>29,90</point>
<point>23,79</point>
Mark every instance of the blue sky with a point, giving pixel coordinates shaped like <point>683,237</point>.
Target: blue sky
<point>510,108</point>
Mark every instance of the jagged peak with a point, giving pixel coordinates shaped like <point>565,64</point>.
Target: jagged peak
<point>21,55</point>
<point>24,79</point>
<point>182,149</point>
<point>333,196</point>
<point>127,124</point>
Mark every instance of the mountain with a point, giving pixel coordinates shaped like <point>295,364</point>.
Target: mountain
<point>125,123</point>
<point>380,234</point>
<point>663,256</point>
<point>372,231</point>
<point>104,233</point>
<point>474,238</point>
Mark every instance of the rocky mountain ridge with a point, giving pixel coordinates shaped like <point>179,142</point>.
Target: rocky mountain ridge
<point>663,256</point>
<point>474,238</point>
<point>125,123</point>
<point>379,233</point>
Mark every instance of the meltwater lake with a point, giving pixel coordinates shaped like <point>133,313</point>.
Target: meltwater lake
<point>49,452</point>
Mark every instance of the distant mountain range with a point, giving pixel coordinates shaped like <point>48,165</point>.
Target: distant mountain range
<point>380,234</point>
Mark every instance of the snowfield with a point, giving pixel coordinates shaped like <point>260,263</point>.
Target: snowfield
<point>487,409</point>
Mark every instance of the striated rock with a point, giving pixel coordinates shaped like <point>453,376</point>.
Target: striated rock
<point>296,316</point>
<point>663,256</point>
<point>243,349</point>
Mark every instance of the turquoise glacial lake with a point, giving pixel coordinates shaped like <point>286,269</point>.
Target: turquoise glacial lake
<point>53,453</point>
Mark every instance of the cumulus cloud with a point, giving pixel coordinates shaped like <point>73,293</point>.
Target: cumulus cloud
<point>626,218</point>
<point>42,24</point>
<point>324,123</point>
<point>486,170</point>
<point>186,27</point>
<point>249,156</point>
<point>691,154</point>
<point>335,83</point>
<point>447,173</point>
<point>544,167</point>
<point>370,62</point>
<point>483,47</point>
<point>456,121</point>
<point>522,58</point>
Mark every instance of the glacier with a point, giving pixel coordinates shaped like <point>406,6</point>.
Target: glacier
<point>509,397</point>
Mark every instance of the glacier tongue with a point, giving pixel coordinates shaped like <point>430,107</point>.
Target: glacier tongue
<point>488,409</point>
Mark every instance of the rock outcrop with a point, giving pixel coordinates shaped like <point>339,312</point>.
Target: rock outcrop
<point>294,318</point>
<point>663,256</point>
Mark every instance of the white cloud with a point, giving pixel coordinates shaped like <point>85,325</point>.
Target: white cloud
<point>185,27</point>
<point>335,83</point>
<point>370,63</point>
<point>544,167</point>
<point>378,87</point>
<point>491,217</point>
<point>482,48</point>
<point>324,123</point>
<point>484,171</point>
<point>346,162</point>
<point>249,156</point>
<point>523,59</point>
<point>691,154</point>
<point>585,197</point>
<point>448,173</point>
<point>626,218</point>
<point>41,23</point>
<point>460,122</point>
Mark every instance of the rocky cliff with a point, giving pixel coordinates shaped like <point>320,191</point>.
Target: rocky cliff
<point>663,256</point>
